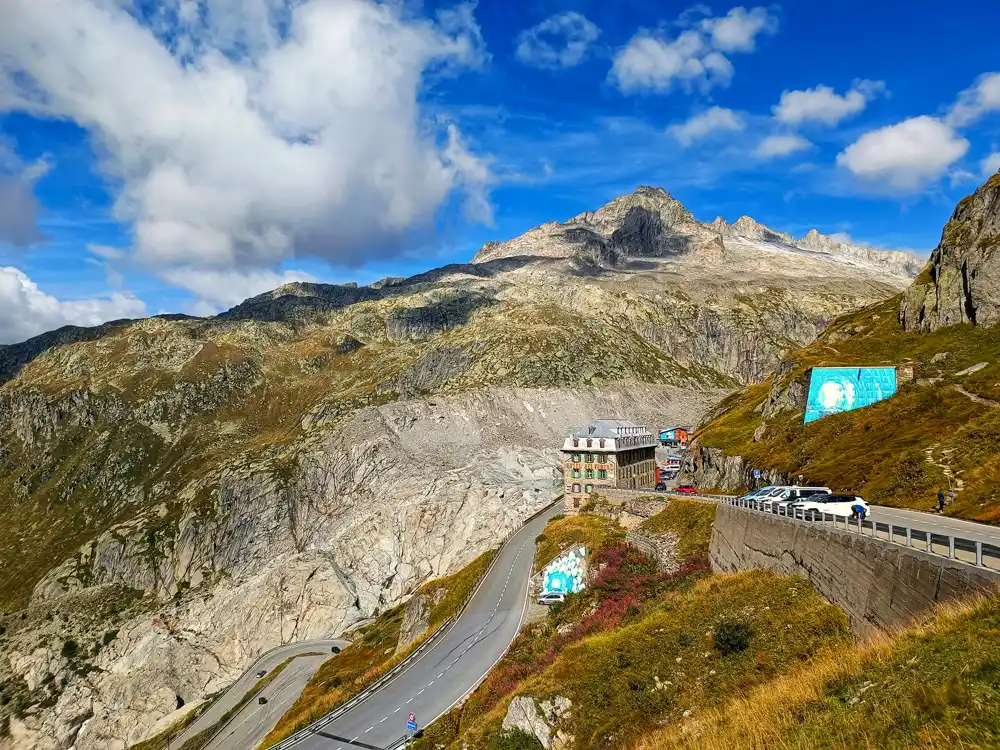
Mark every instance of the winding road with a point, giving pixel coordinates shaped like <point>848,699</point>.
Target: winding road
<point>441,676</point>
<point>243,730</point>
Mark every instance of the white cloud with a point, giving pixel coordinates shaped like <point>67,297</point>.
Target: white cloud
<point>990,165</point>
<point>216,291</point>
<point>737,31</point>
<point>245,133</point>
<point>27,311</point>
<point>823,104</point>
<point>655,62</point>
<point>980,98</point>
<point>775,146</point>
<point>906,155</point>
<point>701,125</point>
<point>560,41</point>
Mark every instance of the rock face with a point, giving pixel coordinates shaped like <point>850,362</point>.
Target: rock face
<point>540,720</point>
<point>961,284</point>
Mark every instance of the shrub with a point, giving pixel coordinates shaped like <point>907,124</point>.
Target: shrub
<point>69,648</point>
<point>109,636</point>
<point>515,740</point>
<point>732,637</point>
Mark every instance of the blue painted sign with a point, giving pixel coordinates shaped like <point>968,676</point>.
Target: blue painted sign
<point>756,473</point>
<point>567,573</point>
<point>836,389</point>
<point>412,726</point>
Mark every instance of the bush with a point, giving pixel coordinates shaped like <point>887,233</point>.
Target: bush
<point>515,740</point>
<point>69,648</point>
<point>109,636</point>
<point>732,637</point>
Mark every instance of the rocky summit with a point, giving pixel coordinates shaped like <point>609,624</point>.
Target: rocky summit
<point>178,495</point>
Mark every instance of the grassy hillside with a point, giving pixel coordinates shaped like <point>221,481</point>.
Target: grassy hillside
<point>639,648</point>
<point>935,686</point>
<point>894,452</point>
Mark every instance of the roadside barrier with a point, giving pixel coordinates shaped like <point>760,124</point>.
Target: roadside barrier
<point>969,551</point>
<point>331,717</point>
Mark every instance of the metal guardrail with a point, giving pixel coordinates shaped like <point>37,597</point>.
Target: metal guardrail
<point>969,551</point>
<point>336,713</point>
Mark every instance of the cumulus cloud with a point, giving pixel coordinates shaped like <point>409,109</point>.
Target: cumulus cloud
<point>990,165</point>
<point>980,98</point>
<point>560,41</point>
<point>246,133</point>
<point>19,208</point>
<point>26,311</point>
<point>907,155</point>
<point>822,104</point>
<point>653,61</point>
<point>776,146</point>
<point>216,290</point>
<point>701,125</point>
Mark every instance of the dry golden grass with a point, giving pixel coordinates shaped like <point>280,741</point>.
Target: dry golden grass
<point>916,688</point>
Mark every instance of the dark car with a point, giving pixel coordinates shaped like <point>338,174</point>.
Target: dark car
<point>262,672</point>
<point>335,649</point>
<point>686,489</point>
<point>661,487</point>
<point>262,700</point>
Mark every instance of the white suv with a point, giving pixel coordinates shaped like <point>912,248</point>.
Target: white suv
<point>791,495</point>
<point>843,506</point>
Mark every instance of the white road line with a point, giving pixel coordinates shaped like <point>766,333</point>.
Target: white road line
<point>382,719</point>
<point>369,729</point>
<point>421,691</point>
<point>409,701</point>
<point>439,676</point>
<point>399,708</point>
<point>430,683</point>
<point>355,739</point>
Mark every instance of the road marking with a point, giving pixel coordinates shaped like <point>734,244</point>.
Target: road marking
<point>439,676</point>
<point>382,719</point>
<point>369,729</point>
<point>430,683</point>
<point>409,701</point>
<point>400,708</point>
<point>421,691</point>
<point>355,739</point>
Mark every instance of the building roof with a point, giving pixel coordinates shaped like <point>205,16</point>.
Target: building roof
<point>610,428</point>
<point>676,427</point>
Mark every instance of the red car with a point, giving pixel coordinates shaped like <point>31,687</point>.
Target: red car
<point>686,489</point>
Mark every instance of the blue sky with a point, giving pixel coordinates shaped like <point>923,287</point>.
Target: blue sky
<point>181,155</point>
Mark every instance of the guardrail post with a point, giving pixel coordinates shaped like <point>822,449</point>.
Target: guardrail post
<point>951,548</point>
<point>890,530</point>
<point>927,535</point>
<point>979,554</point>
<point>909,537</point>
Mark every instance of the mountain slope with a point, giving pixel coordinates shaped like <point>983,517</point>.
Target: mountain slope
<point>941,429</point>
<point>312,456</point>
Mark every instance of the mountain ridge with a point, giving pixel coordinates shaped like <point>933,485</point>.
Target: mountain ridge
<point>678,230</point>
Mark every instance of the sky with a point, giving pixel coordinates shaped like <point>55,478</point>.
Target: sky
<point>182,155</point>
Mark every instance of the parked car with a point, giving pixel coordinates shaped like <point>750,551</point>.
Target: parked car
<point>753,494</point>
<point>661,487</point>
<point>842,506</point>
<point>262,672</point>
<point>551,597</point>
<point>686,489</point>
<point>262,700</point>
<point>763,498</point>
<point>791,495</point>
<point>335,650</point>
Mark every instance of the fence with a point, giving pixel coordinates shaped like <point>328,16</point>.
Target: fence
<point>331,717</point>
<point>972,551</point>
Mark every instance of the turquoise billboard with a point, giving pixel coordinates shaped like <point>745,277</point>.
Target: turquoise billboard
<point>836,389</point>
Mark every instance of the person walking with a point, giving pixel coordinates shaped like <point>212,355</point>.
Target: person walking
<point>940,501</point>
<point>951,497</point>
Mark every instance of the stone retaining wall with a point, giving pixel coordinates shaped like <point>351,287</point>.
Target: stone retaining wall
<point>880,585</point>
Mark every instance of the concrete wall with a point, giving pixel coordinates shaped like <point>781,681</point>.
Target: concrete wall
<point>879,585</point>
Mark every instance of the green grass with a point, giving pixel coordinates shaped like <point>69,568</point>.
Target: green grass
<point>563,533</point>
<point>931,686</point>
<point>373,652</point>
<point>690,520</point>
<point>880,451</point>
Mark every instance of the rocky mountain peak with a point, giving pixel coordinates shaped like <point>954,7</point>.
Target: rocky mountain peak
<point>961,282</point>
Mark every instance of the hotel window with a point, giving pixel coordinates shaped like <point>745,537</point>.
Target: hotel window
<point>576,488</point>
<point>589,442</point>
<point>576,458</point>
<point>602,474</point>
<point>602,442</point>
<point>590,474</point>
<point>590,488</point>
<point>576,443</point>
<point>576,473</point>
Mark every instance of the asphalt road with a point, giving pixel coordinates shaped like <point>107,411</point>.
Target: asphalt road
<point>273,708</point>
<point>935,524</point>
<point>444,673</point>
